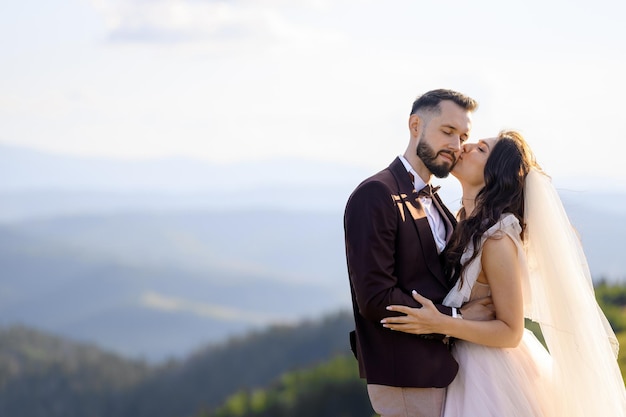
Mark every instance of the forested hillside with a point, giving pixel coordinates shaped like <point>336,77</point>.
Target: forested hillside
<point>42,375</point>
<point>284,371</point>
<point>330,389</point>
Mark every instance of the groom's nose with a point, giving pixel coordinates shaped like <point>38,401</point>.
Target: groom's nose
<point>455,144</point>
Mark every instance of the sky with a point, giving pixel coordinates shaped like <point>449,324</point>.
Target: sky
<point>330,80</point>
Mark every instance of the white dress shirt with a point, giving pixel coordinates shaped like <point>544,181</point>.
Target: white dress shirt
<point>436,223</point>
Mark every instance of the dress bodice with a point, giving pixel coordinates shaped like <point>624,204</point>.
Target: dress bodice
<point>470,288</point>
<point>480,290</point>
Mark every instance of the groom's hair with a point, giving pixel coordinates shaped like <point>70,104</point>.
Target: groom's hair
<point>430,101</point>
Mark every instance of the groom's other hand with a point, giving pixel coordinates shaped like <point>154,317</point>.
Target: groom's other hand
<point>481,309</point>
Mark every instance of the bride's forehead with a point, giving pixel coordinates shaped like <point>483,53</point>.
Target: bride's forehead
<point>488,141</point>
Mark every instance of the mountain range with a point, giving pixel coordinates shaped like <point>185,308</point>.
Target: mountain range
<point>153,259</point>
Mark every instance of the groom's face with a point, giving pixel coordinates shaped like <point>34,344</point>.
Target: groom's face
<point>441,137</point>
<point>430,158</point>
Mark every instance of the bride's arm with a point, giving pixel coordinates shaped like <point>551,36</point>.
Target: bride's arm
<point>502,270</point>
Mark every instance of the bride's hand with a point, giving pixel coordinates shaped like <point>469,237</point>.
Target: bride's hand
<point>422,320</point>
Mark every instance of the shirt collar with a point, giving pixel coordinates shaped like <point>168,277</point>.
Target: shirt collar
<point>418,182</point>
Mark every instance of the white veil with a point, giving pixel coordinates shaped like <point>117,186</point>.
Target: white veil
<point>559,296</point>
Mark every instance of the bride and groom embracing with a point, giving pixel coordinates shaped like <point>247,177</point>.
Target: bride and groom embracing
<point>439,301</point>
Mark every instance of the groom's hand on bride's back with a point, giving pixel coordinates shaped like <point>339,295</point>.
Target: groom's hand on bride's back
<point>480,310</point>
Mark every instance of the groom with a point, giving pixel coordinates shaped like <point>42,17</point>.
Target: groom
<point>395,229</point>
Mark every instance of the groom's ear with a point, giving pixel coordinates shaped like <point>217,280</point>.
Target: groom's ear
<point>416,123</point>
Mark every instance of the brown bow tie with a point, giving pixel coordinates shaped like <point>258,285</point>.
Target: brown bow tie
<point>428,191</point>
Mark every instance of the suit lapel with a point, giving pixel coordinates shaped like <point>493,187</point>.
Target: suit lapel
<point>413,207</point>
<point>446,215</point>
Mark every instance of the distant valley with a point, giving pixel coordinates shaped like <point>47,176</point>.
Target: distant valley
<point>162,285</point>
<point>156,259</point>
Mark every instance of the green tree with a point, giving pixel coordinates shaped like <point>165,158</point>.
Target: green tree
<point>331,389</point>
<point>612,300</point>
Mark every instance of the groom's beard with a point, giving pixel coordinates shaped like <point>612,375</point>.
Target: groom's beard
<point>428,156</point>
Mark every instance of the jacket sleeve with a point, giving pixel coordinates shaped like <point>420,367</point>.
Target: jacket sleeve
<point>371,223</point>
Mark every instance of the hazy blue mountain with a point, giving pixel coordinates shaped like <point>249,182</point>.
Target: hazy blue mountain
<point>38,184</point>
<point>153,258</point>
<point>601,224</point>
<point>42,203</point>
<point>122,294</point>
<point>26,169</point>
<point>293,246</point>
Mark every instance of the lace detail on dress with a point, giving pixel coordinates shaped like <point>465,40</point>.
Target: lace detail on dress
<point>480,290</point>
<point>507,225</point>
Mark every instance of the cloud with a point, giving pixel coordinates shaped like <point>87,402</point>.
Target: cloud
<point>210,21</point>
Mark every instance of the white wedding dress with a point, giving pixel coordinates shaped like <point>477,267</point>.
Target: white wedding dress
<point>492,381</point>
<point>580,377</point>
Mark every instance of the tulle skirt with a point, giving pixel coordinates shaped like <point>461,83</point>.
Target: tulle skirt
<point>501,382</point>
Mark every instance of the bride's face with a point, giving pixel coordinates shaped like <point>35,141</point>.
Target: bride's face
<point>470,166</point>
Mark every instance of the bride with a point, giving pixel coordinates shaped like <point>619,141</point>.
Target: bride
<point>514,243</point>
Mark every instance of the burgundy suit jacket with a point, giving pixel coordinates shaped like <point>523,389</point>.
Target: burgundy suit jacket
<point>390,251</point>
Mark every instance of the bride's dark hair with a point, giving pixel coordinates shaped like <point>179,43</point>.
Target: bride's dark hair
<point>505,172</point>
